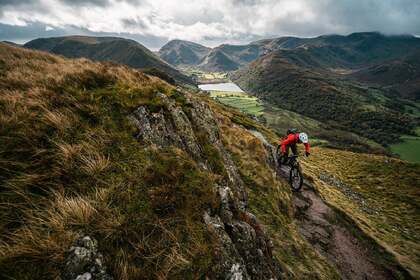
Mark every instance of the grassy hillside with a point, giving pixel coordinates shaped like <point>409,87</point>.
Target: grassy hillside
<point>380,194</point>
<point>409,148</point>
<point>70,166</point>
<point>113,49</point>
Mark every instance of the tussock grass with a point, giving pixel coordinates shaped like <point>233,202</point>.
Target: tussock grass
<point>70,166</point>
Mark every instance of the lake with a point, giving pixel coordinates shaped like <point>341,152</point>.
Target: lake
<point>231,87</point>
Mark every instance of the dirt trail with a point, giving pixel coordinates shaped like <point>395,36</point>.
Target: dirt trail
<point>345,246</point>
<point>321,226</point>
<point>335,239</point>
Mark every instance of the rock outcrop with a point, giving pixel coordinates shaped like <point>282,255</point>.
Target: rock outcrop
<point>85,262</point>
<point>243,248</point>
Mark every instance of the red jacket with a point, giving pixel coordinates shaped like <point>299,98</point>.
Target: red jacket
<point>292,139</point>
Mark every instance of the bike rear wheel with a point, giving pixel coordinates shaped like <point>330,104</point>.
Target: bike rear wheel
<point>295,178</point>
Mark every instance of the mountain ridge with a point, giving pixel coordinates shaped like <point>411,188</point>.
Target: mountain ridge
<point>115,49</point>
<point>346,50</point>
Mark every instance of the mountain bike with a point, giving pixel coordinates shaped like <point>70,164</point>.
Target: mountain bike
<point>295,172</point>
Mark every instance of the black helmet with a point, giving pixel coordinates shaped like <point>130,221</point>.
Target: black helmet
<point>291,131</point>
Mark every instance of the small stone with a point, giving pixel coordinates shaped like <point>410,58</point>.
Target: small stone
<point>84,276</point>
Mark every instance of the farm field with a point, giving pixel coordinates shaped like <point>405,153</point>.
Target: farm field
<point>409,149</point>
<point>204,77</point>
<point>240,100</point>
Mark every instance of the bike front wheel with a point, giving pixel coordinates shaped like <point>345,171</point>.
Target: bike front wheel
<point>295,178</point>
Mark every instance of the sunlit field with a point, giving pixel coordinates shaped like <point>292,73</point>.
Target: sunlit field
<point>242,101</point>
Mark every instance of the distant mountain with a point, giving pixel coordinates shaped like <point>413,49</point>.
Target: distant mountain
<point>217,60</point>
<point>113,49</point>
<point>354,51</point>
<point>179,52</point>
<point>10,43</point>
<point>390,62</point>
<point>230,57</point>
<point>398,75</point>
<point>222,58</point>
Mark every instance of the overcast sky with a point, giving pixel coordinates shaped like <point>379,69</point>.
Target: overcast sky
<point>209,22</point>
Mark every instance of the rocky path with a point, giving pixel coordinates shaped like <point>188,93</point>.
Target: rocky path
<point>321,226</point>
<point>335,239</point>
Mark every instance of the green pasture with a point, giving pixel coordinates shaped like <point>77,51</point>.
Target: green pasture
<point>409,149</point>
<point>242,101</point>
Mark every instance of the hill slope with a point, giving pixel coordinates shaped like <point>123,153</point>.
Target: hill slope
<point>390,62</point>
<point>351,51</point>
<point>400,76</point>
<point>113,49</point>
<point>97,151</point>
<point>110,173</point>
<point>338,103</point>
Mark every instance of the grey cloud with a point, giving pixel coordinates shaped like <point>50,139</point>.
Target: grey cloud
<point>33,5</point>
<point>16,3</point>
<point>331,16</point>
<point>386,15</point>
<point>133,23</point>
<point>207,15</point>
<point>233,21</point>
<point>100,3</point>
<point>22,34</point>
<point>246,2</point>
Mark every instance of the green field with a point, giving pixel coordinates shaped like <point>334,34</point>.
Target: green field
<point>203,77</point>
<point>242,101</point>
<point>409,149</point>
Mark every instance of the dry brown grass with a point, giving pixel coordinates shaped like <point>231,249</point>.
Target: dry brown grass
<point>47,233</point>
<point>69,166</point>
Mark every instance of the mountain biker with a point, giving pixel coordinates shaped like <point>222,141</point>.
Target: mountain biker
<point>290,141</point>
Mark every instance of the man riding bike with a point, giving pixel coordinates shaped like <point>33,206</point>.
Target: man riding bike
<point>290,141</point>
